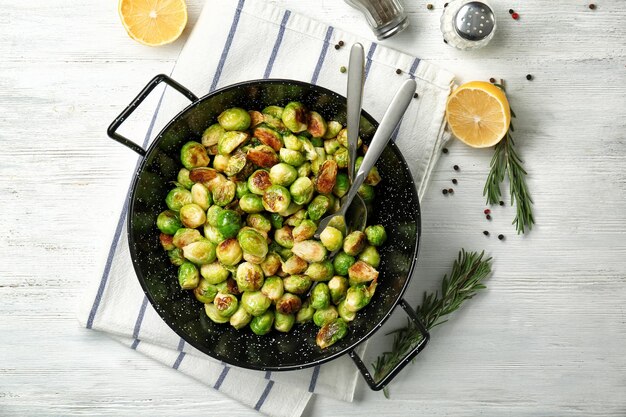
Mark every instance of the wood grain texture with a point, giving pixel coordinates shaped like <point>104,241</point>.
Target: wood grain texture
<point>546,338</point>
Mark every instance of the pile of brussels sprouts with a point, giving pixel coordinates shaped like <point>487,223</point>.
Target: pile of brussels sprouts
<point>242,216</point>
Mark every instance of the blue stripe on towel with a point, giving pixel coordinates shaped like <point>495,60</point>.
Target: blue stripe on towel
<point>229,41</point>
<point>221,378</point>
<point>368,60</point>
<point>135,344</point>
<point>142,311</point>
<point>268,374</point>
<point>414,65</point>
<point>279,40</point>
<point>179,359</point>
<point>316,372</point>
<point>320,60</point>
<point>181,345</point>
<point>118,228</point>
<point>263,397</point>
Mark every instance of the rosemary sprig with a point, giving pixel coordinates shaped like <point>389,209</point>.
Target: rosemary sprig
<point>506,162</point>
<point>468,272</point>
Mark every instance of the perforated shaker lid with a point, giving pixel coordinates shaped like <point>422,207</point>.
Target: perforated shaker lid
<point>474,21</point>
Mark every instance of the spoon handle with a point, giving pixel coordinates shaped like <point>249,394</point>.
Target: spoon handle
<point>355,100</point>
<point>387,126</point>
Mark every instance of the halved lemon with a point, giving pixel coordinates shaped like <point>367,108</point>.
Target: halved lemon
<point>478,114</point>
<point>153,22</point>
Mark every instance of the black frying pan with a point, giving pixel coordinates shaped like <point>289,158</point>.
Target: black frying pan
<point>396,207</point>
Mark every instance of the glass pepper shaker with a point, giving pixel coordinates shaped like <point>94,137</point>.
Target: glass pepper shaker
<point>385,17</point>
<point>467,24</point>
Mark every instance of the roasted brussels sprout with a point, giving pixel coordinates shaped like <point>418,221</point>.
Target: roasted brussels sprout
<point>177,198</point>
<point>259,181</point>
<point>259,222</point>
<point>291,157</point>
<point>358,296</point>
<point>275,111</point>
<point>320,158</point>
<point>212,213</point>
<point>262,324</point>
<point>326,177</point>
<point>194,155</point>
<point>371,256</point>
<point>255,302</point>
<point>354,243</point>
<point>231,141</point>
<point>229,252</point>
<point>310,250</point>
<point>251,203</point>
<point>212,234</point>
<point>269,137</point>
<point>288,304</point>
<point>234,119</point>
<point>183,178</point>
<point>305,314</point>
<point>296,218</point>
<point>373,177</point>
<point>211,311</point>
<point>362,272</point>
<point>271,264</point>
<point>167,241</point>
<point>236,163</point>
<point>176,256</point>
<point>295,117</point>
<point>302,190</point>
<point>292,209</point>
<point>344,313</point>
<point>214,272</point>
<point>297,284</point>
<point>283,174</point>
<point>220,162</point>
<point>276,199</point>
<point>226,304</point>
<point>188,276</point>
<point>262,156</point>
<point>256,118</point>
<point>320,271</point>
<point>201,196</point>
<point>316,125</point>
<point>249,277</point>
<point>318,207</point>
<point>331,332</point>
<point>342,185</point>
<point>212,135</point>
<point>192,215</point>
<point>293,143</point>
<point>342,262</point>
<point>224,193</point>
<point>304,231</point>
<point>252,242</point>
<point>273,288</point>
<point>295,265</point>
<point>203,175</point>
<point>185,236</point>
<point>205,292</point>
<point>241,189</point>
<point>338,287</point>
<point>367,193</point>
<point>228,223</point>
<point>283,322</point>
<point>304,170</point>
<point>342,157</point>
<point>331,238</point>
<point>168,222</point>
<point>277,220</point>
<point>339,223</point>
<point>200,252</point>
<point>376,235</point>
<point>332,129</point>
<point>325,315</point>
<point>331,146</point>
<point>320,296</point>
<point>240,318</point>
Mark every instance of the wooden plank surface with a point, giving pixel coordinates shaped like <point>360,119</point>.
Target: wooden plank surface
<point>546,338</point>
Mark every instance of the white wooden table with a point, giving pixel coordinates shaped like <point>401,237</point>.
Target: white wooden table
<point>548,336</point>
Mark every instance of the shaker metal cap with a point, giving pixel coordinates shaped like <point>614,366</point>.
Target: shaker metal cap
<point>474,21</point>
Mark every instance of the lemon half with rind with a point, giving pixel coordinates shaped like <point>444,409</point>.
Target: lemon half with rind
<point>153,22</point>
<point>478,114</point>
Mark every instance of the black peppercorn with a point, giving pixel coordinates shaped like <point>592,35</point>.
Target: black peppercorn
<point>445,5</point>
<point>341,43</point>
<point>398,71</point>
<point>415,95</point>
<point>511,11</point>
<point>454,181</point>
<point>501,237</point>
<point>445,41</point>
<point>501,203</point>
<point>529,77</point>
<point>450,190</point>
<point>486,233</point>
<point>492,80</point>
<point>444,150</point>
<point>337,46</point>
<point>488,216</point>
<point>444,191</point>
<point>429,6</point>
<point>456,167</point>
<point>592,6</point>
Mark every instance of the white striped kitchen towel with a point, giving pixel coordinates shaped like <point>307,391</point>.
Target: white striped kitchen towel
<point>238,40</point>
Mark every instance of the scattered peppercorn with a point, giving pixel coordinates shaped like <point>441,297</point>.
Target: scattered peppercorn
<point>501,203</point>
<point>454,181</point>
<point>486,233</point>
<point>416,95</point>
<point>341,43</point>
<point>488,217</point>
<point>515,15</point>
<point>529,77</point>
<point>444,191</point>
<point>492,80</point>
<point>450,190</point>
<point>343,69</point>
<point>445,41</point>
<point>456,167</point>
<point>429,6</point>
<point>445,5</point>
<point>511,11</point>
<point>398,71</point>
<point>486,211</point>
<point>444,150</point>
<point>501,237</point>
<point>592,6</point>
<point>337,46</point>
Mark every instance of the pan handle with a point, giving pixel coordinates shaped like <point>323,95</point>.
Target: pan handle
<point>112,130</point>
<point>378,385</point>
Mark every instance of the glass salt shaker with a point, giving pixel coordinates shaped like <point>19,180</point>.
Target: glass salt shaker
<point>385,17</point>
<point>467,24</point>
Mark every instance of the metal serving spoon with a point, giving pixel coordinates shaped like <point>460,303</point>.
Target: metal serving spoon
<point>387,126</point>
